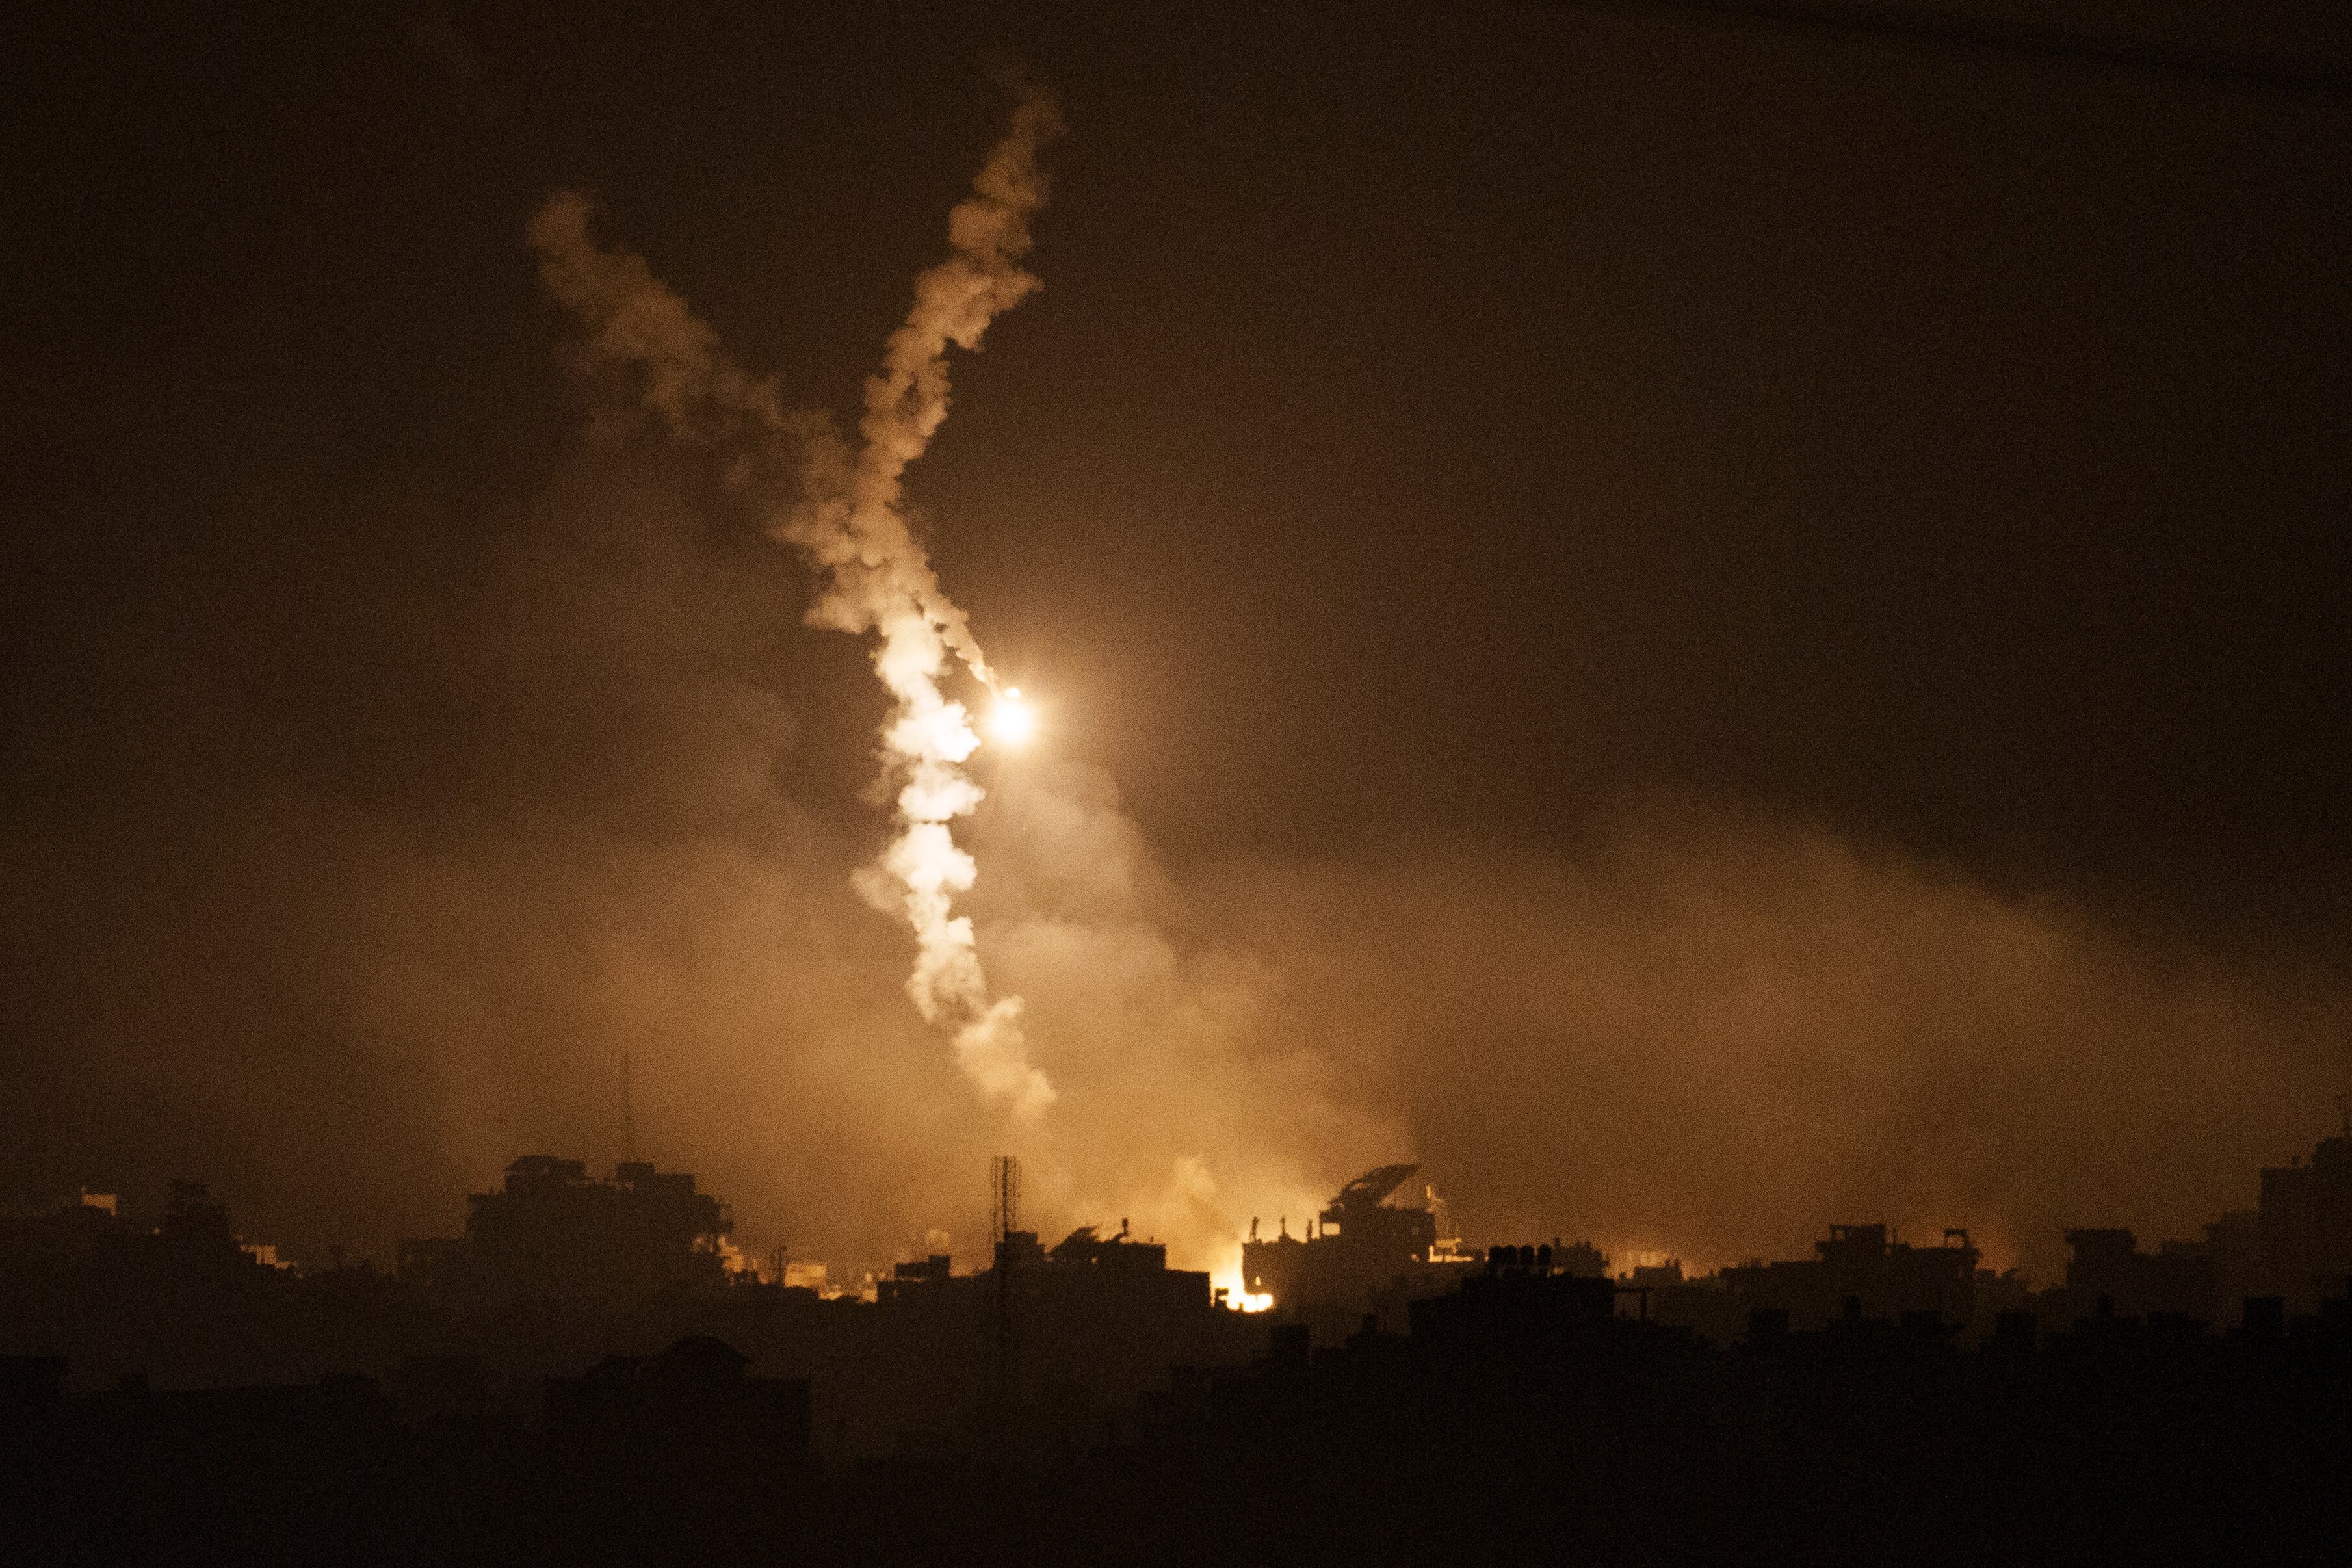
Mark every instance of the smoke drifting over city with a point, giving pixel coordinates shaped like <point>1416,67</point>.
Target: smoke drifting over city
<point>1592,792</point>
<point>844,512</point>
<point>1510,758</point>
<point>1698,1037</point>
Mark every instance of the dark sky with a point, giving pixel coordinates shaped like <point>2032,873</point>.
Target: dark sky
<point>1456,446</point>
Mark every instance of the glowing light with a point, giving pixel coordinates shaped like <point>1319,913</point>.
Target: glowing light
<point>1013,721</point>
<point>1229,1279</point>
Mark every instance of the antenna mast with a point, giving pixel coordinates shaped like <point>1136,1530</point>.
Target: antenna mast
<point>1004,1199</point>
<point>1004,1218</point>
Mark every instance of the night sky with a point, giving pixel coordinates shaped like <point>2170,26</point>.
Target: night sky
<point>1710,625</point>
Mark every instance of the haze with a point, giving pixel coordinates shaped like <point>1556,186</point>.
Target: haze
<point>1706,628</point>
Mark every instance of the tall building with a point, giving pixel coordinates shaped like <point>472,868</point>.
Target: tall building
<point>553,1230</point>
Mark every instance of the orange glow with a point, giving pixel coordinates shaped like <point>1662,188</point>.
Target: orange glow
<point>1228,1279</point>
<point>1013,721</point>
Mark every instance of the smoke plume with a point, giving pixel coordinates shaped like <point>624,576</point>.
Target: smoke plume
<point>844,509</point>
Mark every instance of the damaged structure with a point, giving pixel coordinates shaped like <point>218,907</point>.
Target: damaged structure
<point>1361,1253</point>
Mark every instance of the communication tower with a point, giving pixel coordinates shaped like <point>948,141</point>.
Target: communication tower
<point>1004,1200</point>
<point>1004,1222</point>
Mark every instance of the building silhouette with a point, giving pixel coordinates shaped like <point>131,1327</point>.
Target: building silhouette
<point>2302,1241</point>
<point>504,1401</point>
<point>1362,1251</point>
<point>552,1230</point>
<point>2294,1246</point>
<point>1863,1268</point>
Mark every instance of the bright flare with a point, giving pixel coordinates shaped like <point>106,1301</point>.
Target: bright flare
<point>1013,721</point>
<point>1237,1294</point>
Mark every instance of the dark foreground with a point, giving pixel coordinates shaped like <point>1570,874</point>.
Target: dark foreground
<point>1517,1417</point>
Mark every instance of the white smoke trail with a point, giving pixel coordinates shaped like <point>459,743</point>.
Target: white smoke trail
<point>843,509</point>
